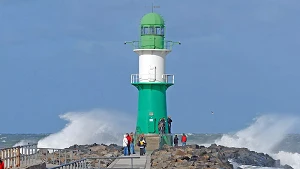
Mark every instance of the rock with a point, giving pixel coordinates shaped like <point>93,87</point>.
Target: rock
<point>214,156</point>
<point>287,167</point>
<point>97,148</point>
<point>180,153</point>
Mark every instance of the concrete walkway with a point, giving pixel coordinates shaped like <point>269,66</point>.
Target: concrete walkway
<point>142,162</point>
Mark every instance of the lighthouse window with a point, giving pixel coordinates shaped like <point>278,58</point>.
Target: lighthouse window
<point>158,31</point>
<point>146,31</point>
<point>152,30</point>
<point>142,31</point>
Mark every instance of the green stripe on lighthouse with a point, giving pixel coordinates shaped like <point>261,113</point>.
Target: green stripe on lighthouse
<point>152,106</point>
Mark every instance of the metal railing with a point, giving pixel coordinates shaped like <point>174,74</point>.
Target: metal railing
<point>19,155</point>
<point>27,155</point>
<point>169,78</point>
<point>166,78</point>
<point>167,44</point>
<point>84,164</point>
<point>78,164</point>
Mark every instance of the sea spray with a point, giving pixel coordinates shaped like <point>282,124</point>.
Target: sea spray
<point>96,126</point>
<point>263,136</point>
<point>292,159</point>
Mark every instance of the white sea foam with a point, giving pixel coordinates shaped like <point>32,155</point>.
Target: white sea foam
<point>292,159</point>
<point>263,135</point>
<point>96,126</point>
<point>25,142</point>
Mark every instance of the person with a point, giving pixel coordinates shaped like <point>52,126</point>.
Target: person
<point>176,141</point>
<point>160,126</point>
<point>169,123</point>
<point>183,139</point>
<point>164,125</point>
<point>125,142</point>
<point>132,143</point>
<point>1,164</point>
<point>142,145</point>
<point>129,142</point>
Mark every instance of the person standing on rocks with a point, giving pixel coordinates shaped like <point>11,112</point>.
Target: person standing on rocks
<point>176,141</point>
<point>164,125</point>
<point>132,143</point>
<point>160,126</point>
<point>169,123</point>
<point>183,139</point>
<point>125,143</point>
<point>129,142</point>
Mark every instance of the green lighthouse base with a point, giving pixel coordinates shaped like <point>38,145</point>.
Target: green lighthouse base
<point>152,106</point>
<point>156,141</point>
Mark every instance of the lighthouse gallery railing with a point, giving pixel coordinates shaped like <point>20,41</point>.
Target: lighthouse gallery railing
<point>167,78</point>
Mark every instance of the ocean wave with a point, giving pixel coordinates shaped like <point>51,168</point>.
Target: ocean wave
<point>96,126</point>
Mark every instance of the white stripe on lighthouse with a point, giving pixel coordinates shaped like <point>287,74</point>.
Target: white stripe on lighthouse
<point>152,64</point>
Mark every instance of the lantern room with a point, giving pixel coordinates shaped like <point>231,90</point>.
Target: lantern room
<point>152,32</point>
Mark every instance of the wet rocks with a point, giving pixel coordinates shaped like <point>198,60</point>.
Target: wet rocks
<point>194,156</point>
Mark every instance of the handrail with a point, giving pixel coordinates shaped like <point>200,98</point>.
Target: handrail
<point>19,156</point>
<point>82,162</point>
<point>166,78</point>
<point>167,44</point>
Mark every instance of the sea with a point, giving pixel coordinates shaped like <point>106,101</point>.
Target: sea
<point>269,134</point>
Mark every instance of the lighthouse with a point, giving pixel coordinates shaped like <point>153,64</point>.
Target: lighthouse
<point>152,81</point>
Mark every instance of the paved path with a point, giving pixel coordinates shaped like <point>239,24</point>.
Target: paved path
<point>142,162</point>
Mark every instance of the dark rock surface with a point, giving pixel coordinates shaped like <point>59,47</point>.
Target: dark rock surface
<point>195,156</point>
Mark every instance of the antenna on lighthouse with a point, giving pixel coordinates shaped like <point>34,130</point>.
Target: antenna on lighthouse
<point>153,6</point>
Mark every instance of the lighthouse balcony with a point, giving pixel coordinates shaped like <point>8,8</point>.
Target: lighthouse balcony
<point>152,44</point>
<point>149,78</point>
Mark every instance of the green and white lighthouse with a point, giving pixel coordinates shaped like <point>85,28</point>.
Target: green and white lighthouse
<point>152,81</point>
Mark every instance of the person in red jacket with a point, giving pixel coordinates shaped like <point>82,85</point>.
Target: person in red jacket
<point>129,141</point>
<point>1,164</point>
<point>183,139</point>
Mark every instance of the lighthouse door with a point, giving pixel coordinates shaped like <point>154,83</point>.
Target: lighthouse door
<point>151,125</point>
<point>152,73</point>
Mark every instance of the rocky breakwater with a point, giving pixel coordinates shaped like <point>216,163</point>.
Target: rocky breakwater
<point>90,152</point>
<point>217,157</point>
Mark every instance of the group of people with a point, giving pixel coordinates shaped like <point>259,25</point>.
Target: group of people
<point>183,140</point>
<point>162,125</point>
<point>128,144</point>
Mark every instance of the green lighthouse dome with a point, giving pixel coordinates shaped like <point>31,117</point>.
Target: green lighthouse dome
<point>152,31</point>
<point>152,19</point>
